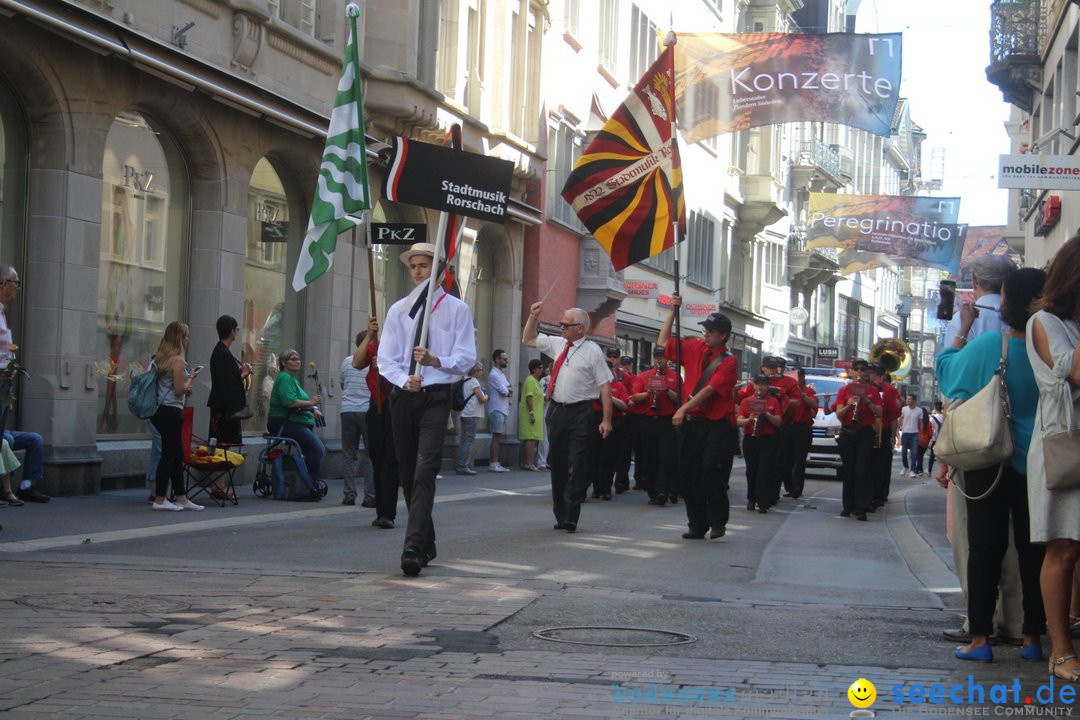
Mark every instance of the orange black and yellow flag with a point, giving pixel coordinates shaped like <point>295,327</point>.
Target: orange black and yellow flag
<point>627,185</point>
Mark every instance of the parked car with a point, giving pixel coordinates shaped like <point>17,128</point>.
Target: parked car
<point>824,449</point>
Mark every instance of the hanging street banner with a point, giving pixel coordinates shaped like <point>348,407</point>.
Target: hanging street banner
<point>730,82</point>
<point>873,230</point>
<point>449,180</point>
<point>627,185</point>
<point>1039,172</point>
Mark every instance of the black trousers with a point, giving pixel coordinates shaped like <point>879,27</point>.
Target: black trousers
<point>988,539</point>
<point>626,449</point>
<point>705,457</point>
<point>658,454</point>
<point>419,421</point>
<point>801,437</point>
<point>572,439</point>
<point>761,454</point>
<point>380,446</point>
<point>883,457</point>
<point>857,470</point>
<point>785,460</point>
<point>609,455</point>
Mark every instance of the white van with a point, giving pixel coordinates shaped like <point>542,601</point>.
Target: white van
<point>824,449</point>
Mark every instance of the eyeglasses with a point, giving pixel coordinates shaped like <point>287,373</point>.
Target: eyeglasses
<point>12,282</point>
<point>564,326</point>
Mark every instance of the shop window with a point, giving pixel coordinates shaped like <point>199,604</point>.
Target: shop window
<point>144,225</point>
<point>13,154</point>
<point>268,325</point>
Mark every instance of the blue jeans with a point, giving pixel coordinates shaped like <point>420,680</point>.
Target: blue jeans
<point>33,467</point>
<point>909,451</point>
<point>310,444</point>
<point>465,442</point>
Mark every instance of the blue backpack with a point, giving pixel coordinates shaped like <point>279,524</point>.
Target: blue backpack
<point>143,394</point>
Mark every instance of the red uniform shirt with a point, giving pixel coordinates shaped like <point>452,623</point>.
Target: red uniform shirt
<point>803,414</point>
<point>787,392</point>
<point>890,398</point>
<point>665,406</point>
<point>626,378</point>
<point>696,357</point>
<point>869,396</point>
<point>617,391</point>
<point>747,408</point>
<point>377,384</point>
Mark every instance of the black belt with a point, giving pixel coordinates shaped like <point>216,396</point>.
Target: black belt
<point>570,406</point>
<point>440,387</point>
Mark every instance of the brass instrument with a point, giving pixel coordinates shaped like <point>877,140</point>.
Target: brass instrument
<point>656,395</point>
<point>894,355</point>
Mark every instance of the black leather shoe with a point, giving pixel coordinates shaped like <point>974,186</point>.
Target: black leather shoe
<point>957,635</point>
<point>717,532</point>
<point>605,496</point>
<point>763,510</point>
<point>673,499</point>
<point>570,527</point>
<point>383,523</point>
<point>560,526</point>
<point>411,562</point>
<point>30,494</point>
<point>845,513</point>
<point>595,496</point>
<point>693,535</point>
<point>750,506</point>
<point>860,516</point>
<point>427,556</point>
<point>620,489</point>
<point>787,494</point>
<point>656,501</point>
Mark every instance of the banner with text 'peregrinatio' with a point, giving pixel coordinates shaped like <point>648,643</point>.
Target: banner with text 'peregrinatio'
<point>730,82</point>
<point>876,230</point>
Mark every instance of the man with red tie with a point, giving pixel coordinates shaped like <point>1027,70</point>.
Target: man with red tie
<point>858,404</point>
<point>580,376</point>
<point>703,421</point>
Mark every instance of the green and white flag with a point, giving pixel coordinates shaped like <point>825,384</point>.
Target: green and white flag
<point>343,191</point>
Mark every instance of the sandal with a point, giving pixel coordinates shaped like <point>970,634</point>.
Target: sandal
<point>13,501</point>
<point>1072,676</point>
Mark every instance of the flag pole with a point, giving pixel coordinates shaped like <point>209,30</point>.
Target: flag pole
<point>432,286</point>
<point>668,42</point>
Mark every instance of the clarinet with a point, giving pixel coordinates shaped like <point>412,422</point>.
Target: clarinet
<point>656,395</point>
<point>855,413</point>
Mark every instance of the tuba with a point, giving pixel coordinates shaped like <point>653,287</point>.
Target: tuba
<point>894,355</point>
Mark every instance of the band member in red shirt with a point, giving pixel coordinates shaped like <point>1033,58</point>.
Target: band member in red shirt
<point>608,449</point>
<point>703,421</point>
<point>653,402</point>
<point>801,428</point>
<point>857,405</point>
<point>890,415</point>
<point>759,417</point>
<point>786,390</point>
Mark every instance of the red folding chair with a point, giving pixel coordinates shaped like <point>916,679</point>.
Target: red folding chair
<point>203,471</point>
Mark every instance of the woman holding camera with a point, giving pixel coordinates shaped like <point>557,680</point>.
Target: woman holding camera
<point>962,371</point>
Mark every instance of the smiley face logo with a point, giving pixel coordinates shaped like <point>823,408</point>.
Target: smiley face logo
<point>862,693</point>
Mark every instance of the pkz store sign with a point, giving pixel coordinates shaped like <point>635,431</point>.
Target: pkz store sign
<point>398,233</point>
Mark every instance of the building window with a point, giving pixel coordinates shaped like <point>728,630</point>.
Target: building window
<point>572,17</point>
<point>144,219</point>
<point>267,325</point>
<point>609,35</point>
<point>775,264</point>
<point>13,154</point>
<point>525,39</point>
<point>643,45</point>
<point>446,54</point>
<point>301,14</point>
<point>700,251</point>
<point>565,144</point>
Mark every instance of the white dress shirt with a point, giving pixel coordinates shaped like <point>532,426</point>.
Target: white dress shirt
<point>582,373</point>
<point>499,397</point>
<point>989,319</point>
<point>451,338</point>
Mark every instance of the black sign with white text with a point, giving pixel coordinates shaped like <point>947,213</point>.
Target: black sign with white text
<point>453,181</point>
<point>398,233</point>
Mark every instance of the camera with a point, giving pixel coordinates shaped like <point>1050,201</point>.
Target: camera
<point>947,300</point>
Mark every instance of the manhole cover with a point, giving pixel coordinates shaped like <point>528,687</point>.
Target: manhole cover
<point>614,636</point>
<point>104,603</point>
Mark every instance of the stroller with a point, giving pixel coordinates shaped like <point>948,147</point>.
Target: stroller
<point>283,474</point>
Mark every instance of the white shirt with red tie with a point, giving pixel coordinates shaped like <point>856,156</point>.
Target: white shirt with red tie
<point>581,374</point>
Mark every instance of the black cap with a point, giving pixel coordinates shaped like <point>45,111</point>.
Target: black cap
<point>877,368</point>
<point>657,351</point>
<point>626,360</point>
<point>717,322</point>
<point>613,352</point>
<point>773,361</point>
<point>859,362</point>
<point>760,380</point>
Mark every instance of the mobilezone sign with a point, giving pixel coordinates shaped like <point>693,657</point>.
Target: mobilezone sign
<point>1039,172</point>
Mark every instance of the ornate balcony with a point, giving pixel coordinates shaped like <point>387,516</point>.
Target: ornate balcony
<point>1015,66</point>
<point>816,167</point>
<point>809,268</point>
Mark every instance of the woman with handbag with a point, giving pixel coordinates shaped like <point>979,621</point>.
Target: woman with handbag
<point>1054,461</point>
<point>228,398</point>
<point>996,493</point>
